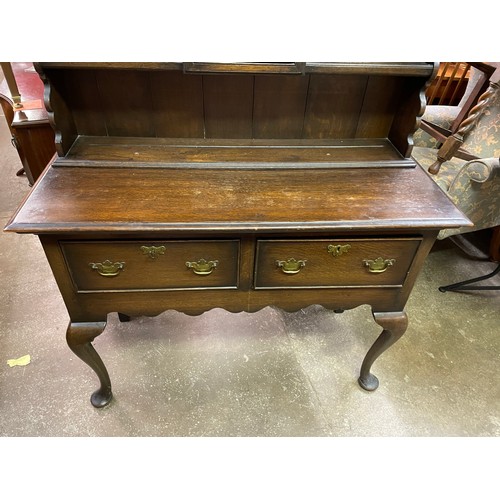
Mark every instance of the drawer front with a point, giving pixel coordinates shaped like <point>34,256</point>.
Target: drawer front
<point>333,263</point>
<point>152,265</point>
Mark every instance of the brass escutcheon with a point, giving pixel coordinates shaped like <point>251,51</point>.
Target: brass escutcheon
<point>202,267</point>
<point>291,266</point>
<point>337,250</point>
<point>107,268</point>
<point>153,251</point>
<point>378,265</point>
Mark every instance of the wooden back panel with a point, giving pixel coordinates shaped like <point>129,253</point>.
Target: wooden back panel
<point>120,102</point>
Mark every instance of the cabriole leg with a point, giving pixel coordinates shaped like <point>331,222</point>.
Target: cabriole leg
<point>79,337</point>
<point>394,324</point>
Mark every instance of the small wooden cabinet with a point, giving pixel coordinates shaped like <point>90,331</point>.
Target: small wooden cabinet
<point>32,135</point>
<point>200,185</point>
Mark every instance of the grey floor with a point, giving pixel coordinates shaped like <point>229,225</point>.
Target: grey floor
<point>264,374</point>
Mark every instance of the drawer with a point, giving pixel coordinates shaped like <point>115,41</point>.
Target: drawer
<point>152,265</point>
<point>333,263</point>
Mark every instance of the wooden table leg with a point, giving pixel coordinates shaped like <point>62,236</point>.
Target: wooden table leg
<point>394,324</point>
<point>495,245</point>
<point>79,337</point>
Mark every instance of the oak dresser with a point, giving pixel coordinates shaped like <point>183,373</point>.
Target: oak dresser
<point>191,186</point>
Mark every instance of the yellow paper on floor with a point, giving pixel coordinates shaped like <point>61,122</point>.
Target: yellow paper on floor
<point>22,361</point>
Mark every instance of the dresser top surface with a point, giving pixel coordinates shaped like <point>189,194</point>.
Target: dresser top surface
<point>83,199</point>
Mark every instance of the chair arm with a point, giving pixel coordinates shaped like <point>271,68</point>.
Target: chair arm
<point>482,170</point>
<point>434,125</point>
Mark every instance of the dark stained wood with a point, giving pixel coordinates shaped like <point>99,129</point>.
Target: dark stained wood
<point>495,244</point>
<point>323,269</point>
<point>407,118</point>
<point>96,306</point>
<point>65,130</point>
<point>146,151</point>
<point>279,106</point>
<point>31,132</point>
<point>249,170</point>
<point>268,68</point>
<point>7,109</point>
<point>177,104</point>
<point>79,337</point>
<point>394,325</point>
<point>372,68</point>
<point>36,148</point>
<point>379,106</point>
<point>228,106</point>
<point>167,103</point>
<point>234,200</point>
<point>85,101</point>
<point>133,88</point>
<point>141,271</point>
<point>333,106</point>
<point>138,66</point>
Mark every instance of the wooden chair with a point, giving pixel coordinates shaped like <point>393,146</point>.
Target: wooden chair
<point>453,145</point>
<point>467,168</point>
<point>443,115</point>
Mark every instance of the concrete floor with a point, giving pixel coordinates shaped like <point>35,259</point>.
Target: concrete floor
<point>265,374</point>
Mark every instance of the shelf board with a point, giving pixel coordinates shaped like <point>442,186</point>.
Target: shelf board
<point>424,69</point>
<point>110,152</point>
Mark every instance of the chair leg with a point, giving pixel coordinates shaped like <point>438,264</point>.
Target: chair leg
<point>464,285</point>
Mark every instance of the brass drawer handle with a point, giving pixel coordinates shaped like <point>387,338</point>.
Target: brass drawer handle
<point>291,266</point>
<point>153,251</point>
<point>337,250</point>
<point>107,268</point>
<point>378,265</point>
<point>202,267</point>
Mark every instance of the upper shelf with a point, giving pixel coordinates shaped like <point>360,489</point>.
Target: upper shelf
<point>243,101</point>
<point>146,151</point>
